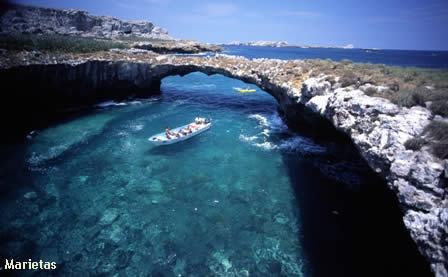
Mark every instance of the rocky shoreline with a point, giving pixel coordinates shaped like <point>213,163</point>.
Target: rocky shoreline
<point>377,127</point>
<point>270,43</point>
<point>178,47</point>
<point>37,20</point>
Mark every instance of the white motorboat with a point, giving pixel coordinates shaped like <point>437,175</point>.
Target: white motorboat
<point>162,139</point>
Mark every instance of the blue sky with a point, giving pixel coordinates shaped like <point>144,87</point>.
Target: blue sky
<point>385,24</point>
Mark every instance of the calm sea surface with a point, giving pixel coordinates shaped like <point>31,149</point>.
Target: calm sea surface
<point>249,197</point>
<point>408,58</point>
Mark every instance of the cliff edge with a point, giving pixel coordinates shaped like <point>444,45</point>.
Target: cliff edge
<point>37,20</point>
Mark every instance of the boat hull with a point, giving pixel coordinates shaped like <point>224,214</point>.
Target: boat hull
<point>246,90</point>
<point>161,139</point>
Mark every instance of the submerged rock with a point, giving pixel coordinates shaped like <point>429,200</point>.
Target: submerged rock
<point>109,216</point>
<point>30,195</point>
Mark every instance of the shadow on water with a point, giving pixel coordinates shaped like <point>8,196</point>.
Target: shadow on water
<point>352,232</point>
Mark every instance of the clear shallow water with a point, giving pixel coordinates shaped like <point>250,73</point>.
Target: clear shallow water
<point>246,198</point>
<point>100,198</point>
<point>407,58</point>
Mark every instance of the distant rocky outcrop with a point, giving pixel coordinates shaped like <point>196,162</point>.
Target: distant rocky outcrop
<point>37,20</point>
<point>268,43</point>
<point>182,47</point>
<point>271,43</point>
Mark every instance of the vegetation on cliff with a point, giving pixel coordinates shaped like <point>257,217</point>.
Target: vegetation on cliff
<point>437,131</point>
<point>78,44</point>
<point>404,86</point>
<point>57,43</point>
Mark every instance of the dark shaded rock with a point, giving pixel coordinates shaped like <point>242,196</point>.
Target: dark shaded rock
<point>123,259</point>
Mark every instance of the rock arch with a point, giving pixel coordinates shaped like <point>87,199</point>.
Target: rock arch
<point>376,127</point>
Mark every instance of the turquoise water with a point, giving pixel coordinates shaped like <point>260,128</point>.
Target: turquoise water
<point>246,198</point>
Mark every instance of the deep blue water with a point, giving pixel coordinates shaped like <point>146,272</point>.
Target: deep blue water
<point>408,58</point>
<point>249,197</point>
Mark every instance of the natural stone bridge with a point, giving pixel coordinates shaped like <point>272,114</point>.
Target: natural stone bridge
<point>377,127</point>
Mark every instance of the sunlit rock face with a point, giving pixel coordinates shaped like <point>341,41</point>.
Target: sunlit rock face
<point>36,20</point>
<point>377,127</point>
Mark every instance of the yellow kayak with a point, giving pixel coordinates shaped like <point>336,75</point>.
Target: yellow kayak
<point>246,90</point>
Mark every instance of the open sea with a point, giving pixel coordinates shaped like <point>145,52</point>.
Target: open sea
<point>249,197</point>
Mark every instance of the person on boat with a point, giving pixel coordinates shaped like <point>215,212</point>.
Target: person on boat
<point>185,131</point>
<point>190,128</point>
<point>170,134</point>
<point>198,120</point>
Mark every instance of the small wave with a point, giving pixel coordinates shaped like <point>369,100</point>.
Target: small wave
<point>258,142</point>
<point>199,86</point>
<point>137,127</point>
<point>106,104</point>
<point>265,132</point>
<point>302,145</point>
<point>274,122</point>
<point>36,161</point>
<point>247,138</point>
<point>261,119</point>
<point>110,103</point>
<point>122,134</point>
<point>266,145</point>
<point>277,123</point>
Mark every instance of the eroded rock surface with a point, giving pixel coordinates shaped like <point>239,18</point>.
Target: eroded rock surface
<point>36,20</point>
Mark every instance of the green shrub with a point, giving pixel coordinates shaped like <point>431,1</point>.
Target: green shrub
<point>395,86</point>
<point>56,43</point>
<point>440,149</point>
<point>408,98</point>
<point>414,143</point>
<point>346,61</point>
<point>349,78</point>
<point>439,107</point>
<point>330,79</point>
<point>370,91</point>
<point>437,131</point>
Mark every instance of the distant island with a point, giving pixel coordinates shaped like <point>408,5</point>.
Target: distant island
<point>270,43</point>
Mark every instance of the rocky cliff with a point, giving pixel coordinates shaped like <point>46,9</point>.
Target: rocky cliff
<point>377,127</point>
<point>36,20</point>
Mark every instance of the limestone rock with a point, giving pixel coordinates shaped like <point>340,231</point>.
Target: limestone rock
<point>446,168</point>
<point>109,216</point>
<point>36,20</point>
<point>314,86</point>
